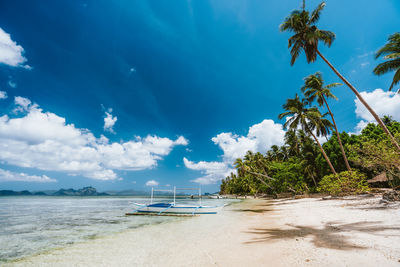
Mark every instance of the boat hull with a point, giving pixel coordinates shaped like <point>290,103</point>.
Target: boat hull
<point>162,208</point>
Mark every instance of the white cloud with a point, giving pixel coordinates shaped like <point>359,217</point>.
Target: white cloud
<point>23,104</point>
<point>359,127</point>
<point>212,171</point>
<point>109,121</point>
<point>12,84</point>
<point>3,95</point>
<point>383,103</point>
<point>260,138</point>
<point>152,183</point>
<point>10,53</point>
<point>44,141</point>
<point>8,176</point>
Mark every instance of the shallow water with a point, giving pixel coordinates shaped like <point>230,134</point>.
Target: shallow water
<point>29,225</point>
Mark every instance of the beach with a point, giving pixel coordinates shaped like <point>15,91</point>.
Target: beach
<point>351,231</point>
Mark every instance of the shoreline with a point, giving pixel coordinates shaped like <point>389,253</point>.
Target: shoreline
<point>350,231</point>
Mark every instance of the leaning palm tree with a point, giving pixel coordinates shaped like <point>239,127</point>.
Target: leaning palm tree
<point>314,89</point>
<point>390,52</point>
<point>244,166</point>
<point>306,38</point>
<point>308,119</point>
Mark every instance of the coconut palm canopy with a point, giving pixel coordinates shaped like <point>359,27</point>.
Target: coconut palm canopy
<point>391,54</point>
<point>306,35</point>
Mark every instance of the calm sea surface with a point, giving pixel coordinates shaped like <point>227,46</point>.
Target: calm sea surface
<point>29,225</point>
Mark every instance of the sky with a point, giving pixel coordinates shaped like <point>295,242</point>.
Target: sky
<point>132,94</point>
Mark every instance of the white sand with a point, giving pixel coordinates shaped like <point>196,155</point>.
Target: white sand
<point>305,232</point>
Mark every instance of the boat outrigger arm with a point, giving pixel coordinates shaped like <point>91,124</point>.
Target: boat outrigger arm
<point>173,208</point>
<point>174,190</point>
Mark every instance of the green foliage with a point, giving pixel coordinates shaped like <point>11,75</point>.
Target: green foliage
<point>391,53</point>
<point>343,183</point>
<point>375,154</point>
<point>298,166</point>
<point>288,177</point>
<point>306,34</point>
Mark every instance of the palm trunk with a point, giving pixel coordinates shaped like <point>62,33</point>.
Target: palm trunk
<point>323,152</point>
<point>315,182</point>
<point>261,180</point>
<point>338,136</point>
<point>362,101</point>
<point>263,175</point>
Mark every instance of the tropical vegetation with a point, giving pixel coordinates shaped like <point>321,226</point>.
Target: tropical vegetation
<point>306,37</point>
<point>303,164</point>
<point>299,165</point>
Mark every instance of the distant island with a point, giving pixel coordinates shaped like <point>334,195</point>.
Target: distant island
<point>85,191</point>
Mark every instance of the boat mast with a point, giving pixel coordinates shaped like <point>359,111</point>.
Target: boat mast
<point>151,199</point>
<point>174,195</point>
<point>200,195</point>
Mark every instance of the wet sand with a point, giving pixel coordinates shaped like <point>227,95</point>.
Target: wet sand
<point>357,231</point>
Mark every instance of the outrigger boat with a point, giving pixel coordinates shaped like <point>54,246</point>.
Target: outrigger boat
<point>172,208</point>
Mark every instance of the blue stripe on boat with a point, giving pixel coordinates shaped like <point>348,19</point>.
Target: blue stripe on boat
<point>160,205</point>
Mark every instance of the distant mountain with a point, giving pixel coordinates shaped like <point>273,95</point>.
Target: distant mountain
<point>86,191</point>
<point>14,193</point>
<point>129,192</point>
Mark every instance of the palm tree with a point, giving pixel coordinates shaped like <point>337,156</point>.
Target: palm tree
<point>391,52</point>
<point>308,119</point>
<point>314,89</point>
<point>306,38</point>
<point>244,167</point>
<point>293,142</point>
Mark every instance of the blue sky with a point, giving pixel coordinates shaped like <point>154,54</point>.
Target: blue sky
<point>200,80</point>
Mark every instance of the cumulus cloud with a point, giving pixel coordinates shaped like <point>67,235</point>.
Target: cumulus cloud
<point>44,141</point>
<point>23,104</point>
<point>109,121</point>
<point>10,53</point>
<point>8,176</point>
<point>260,138</point>
<point>3,95</point>
<point>152,183</point>
<point>384,103</point>
<point>212,171</point>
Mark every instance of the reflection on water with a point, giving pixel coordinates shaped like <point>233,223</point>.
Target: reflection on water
<point>29,225</point>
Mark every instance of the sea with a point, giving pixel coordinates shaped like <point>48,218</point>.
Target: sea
<point>36,224</point>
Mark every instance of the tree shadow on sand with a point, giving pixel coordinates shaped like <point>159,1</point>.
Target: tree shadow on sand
<point>261,210</point>
<point>328,237</point>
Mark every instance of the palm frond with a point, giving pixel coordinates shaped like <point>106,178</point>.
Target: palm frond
<point>387,66</point>
<point>332,85</point>
<point>326,36</point>
<point>316,13</point>
<point>295,52</point>
<point>392,46</point>
<point>396,79</point>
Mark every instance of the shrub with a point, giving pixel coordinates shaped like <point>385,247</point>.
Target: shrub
<point>344,183</point>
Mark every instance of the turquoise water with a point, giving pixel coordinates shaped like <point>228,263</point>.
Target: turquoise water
<point>29,225</point>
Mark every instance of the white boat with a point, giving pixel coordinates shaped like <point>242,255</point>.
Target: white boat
<point>173,208</point>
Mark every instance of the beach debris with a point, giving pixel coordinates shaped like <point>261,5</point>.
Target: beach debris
<point>329,197</point>
<point>391,196</point>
